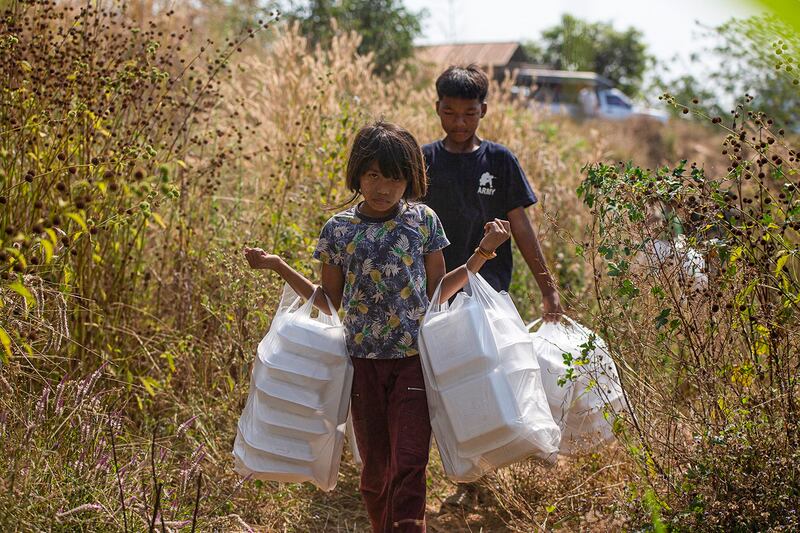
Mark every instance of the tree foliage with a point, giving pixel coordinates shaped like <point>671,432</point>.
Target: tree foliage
<point>387,28</point>
<point>757,56</point>
<point>575,44</point>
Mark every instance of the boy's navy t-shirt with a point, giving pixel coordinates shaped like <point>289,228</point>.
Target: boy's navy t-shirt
<point>469,190</point>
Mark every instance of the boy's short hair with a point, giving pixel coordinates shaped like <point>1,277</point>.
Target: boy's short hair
<point>398,155</point>
<point>468,82</point>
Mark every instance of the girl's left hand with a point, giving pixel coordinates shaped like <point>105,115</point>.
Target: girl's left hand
<point>258,258</point>
<point>495,233</point>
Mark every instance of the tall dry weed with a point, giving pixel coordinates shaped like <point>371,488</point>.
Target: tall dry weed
<point>134,172</point>
<point>696,292</point>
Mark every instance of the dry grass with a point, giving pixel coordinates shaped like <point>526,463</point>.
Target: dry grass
<point>156,373</point>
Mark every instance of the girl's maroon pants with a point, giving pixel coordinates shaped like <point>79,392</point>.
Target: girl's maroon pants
<point>393,433</point>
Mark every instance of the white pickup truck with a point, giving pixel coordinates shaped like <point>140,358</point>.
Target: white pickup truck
<point>614,104</point>
<point>578,94</point>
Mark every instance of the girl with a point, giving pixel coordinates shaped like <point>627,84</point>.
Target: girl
<point>381,261</point>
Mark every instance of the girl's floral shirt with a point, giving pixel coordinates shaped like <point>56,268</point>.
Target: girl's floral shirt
<point>384,297</point>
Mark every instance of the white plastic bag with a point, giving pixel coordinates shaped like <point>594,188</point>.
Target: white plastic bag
<point>485,396</point>
<point>351,440</point>
<point>293,425</point>
<point>581,383</point>
<point>674,259</point>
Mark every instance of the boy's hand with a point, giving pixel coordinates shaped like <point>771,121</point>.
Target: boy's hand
<point>495,233</point>
<point>551,303</point>
<point>258,258</point>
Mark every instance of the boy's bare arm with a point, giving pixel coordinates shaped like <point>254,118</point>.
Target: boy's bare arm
<point>528,244</point>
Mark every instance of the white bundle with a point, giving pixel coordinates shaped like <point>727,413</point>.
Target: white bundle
<point>483,385</point>
<point>293,425</point>
<point>674,259</point>
<point>581,382</point>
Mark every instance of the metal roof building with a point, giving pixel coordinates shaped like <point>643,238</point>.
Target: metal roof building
<point>532,81</point>
<point>496,56</point>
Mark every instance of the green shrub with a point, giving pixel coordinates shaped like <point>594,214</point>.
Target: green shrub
<point>698,295</point>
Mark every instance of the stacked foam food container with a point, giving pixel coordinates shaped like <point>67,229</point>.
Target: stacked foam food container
<point>488,408</point>
<point>293,425</point>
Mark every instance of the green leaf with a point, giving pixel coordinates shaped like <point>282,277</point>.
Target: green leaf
<point>27,347</point>
<point>5,340</point>
<point>18,256</point>
<point>617,269</point>
<point>68,275</point>
<point>170,360</point>
<point>159,220</point>
<point>607,251</point>
<point>47,246</point>
<point>781,263</point>
<point>52,235</point>
<point>23,291</point>
<point>79,219</point>
<point>663,318</point>
<point>736,254</point>
<point>628,289</point>
<point>149,384</point>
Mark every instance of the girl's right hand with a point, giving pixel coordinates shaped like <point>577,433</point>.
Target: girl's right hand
<point>258,258</point>
<point>495,233</point>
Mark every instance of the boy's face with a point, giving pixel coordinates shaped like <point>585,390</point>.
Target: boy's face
<point>460,116</point>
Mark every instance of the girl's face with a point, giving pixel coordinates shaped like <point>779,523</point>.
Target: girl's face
<point>381,193</point>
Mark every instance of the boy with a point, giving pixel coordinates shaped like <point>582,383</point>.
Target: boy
<point>473,181</point>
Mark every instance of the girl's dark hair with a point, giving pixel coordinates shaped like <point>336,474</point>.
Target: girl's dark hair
<point>463,82</point>
<point>398,155</point>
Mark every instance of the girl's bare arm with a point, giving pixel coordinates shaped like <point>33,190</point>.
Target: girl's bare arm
<point>332,283</point>
<point>454,280</point>
<point>495,233</point>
